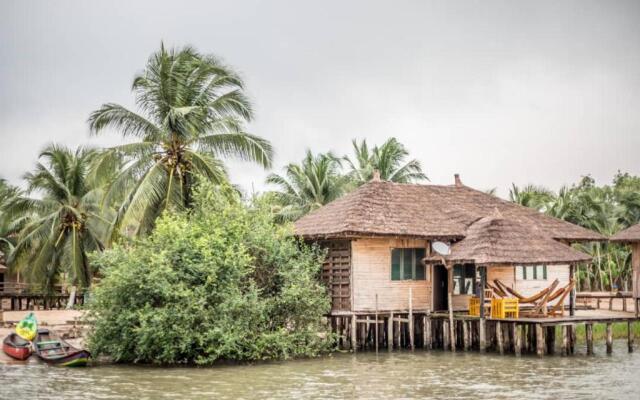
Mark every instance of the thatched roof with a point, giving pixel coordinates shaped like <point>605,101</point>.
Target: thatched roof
<point>499,240</point>
<point>629,235</point>
<point>380,208</point>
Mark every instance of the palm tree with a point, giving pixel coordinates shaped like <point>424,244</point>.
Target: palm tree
<point>7,193</point>
<point>307,186</point>
<point>389,159</point>
<point>532,196</point>
<point>62,223</point>
<point>192,110</point>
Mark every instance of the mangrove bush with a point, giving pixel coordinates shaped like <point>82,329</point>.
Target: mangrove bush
<point>219,282</point>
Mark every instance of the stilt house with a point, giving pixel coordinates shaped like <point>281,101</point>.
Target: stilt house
<point>379,236</point>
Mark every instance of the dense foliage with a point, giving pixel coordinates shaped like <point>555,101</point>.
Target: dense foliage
<point>606,209</point>
<point>220,282</point>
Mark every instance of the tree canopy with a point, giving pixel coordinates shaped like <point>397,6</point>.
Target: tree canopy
<point>192,110</point>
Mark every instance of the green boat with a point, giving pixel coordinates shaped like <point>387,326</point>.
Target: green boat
<point>53,350</point>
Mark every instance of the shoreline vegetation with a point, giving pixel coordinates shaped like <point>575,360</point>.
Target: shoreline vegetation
<point>181,266</point>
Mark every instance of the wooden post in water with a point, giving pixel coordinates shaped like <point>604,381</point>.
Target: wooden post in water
<point>551,340</point>
<point>390,332</point>
<point>539,340</point>
<point>452,328</point>
<point>589,333</point>
<point>376,324</point>
<point>499,338</point>
<point>609,339</point>
<point>517,339</point>
<point>412,343</point>
<point>630,337</point>
<point>445,335</point>
<point>354,333</point>
<point>428,340</point>
<point>565,340</point>
<point>465,335</point>
<point>482,334</point>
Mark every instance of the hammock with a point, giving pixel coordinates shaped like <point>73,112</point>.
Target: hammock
<point>540,310</point>
<point>521,298</point>
<point>496,290</point>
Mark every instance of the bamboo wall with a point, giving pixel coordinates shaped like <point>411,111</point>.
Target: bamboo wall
<point>371,275</point>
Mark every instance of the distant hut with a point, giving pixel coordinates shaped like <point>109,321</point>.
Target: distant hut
<point>378,235</point>
<point>631,236</point>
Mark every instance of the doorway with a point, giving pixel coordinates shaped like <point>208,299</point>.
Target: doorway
<point>440,288</point>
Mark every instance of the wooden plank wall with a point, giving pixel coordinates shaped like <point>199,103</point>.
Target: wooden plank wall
<point>336,273</point>
<point>371,261</point>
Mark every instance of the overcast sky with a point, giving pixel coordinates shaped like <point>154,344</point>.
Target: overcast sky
<point>500,92</point>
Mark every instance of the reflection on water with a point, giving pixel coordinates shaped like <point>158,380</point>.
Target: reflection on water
<point>434,375</point>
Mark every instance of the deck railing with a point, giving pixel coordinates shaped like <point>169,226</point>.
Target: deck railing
<point>27,289</point>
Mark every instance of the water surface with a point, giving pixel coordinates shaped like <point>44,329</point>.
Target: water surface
<point>399,375</point>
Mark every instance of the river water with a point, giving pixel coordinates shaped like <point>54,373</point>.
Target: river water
<point>399,375</point>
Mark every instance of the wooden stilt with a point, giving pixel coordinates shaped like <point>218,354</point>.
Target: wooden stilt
<point>452,328</point>
<point>499,338</point>
<point>630,336</point>
<point>565,340</point>
<point>609,339</point>
<point>354,334</point>
<point>428,333</point>
<point>589,334</point>
<point>412,343</point>
<point>445,335</point>
<point>390,332</point>
<point>364,333</point>
<point>465,335</point>
<point>539,340</point>
<point>398,333</point>
<point>573,339</point>
<point>517,339</point>
<point>482,334</point>
<point>551,340</point>
<point>376,324</point>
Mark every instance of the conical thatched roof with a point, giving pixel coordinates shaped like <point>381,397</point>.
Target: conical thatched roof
<point>629,235</point>
<point>499,240</point>
<point>380,208</point>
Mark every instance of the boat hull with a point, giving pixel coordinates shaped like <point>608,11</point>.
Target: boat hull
<point>79,359</point>
<point>18,351</point>
<point>55,351</point>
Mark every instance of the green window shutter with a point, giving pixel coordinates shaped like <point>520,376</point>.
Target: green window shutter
<point>420,268</point>
<point>396,255</point>
<point>544,272</point>
<point>524,272</point>
<point>407,264</point>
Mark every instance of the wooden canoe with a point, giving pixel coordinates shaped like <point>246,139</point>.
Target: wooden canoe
<point>16,347</point>
<point>53,350</point>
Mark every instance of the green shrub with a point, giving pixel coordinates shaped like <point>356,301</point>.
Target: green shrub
<point>222,282</point>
